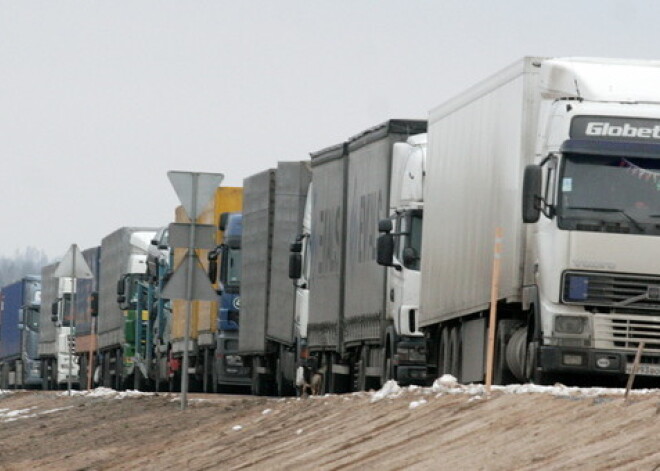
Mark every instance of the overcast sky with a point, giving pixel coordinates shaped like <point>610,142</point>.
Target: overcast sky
<point>99,99</point>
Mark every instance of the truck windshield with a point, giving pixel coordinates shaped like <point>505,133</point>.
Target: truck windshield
<point>32,319</point>
<point>609,194</point>
<point>415,239</point>
<point>232,267</point>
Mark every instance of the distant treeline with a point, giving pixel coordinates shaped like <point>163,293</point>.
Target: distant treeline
<point>28,262</point>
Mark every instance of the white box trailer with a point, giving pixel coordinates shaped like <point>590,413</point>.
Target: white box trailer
<point>479,144</point>
<point>576,144</point>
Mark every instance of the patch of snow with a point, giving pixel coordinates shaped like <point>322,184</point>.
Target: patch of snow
<point>133,393</point>
<point>237,428</point>
<point>299,431</point>
<point>447,384</point>
<point>50,411</point>
<point>390,389</point>
<point>266,411</point>
<point>416,404</point>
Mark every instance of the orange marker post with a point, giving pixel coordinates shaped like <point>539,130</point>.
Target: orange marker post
<point>494,289</point>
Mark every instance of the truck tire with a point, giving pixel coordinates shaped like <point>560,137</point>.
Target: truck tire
<point>360,370</point>
<point>389,370</point>
<point>444,353</point>
<point>454,360</point>
<point>4,376</point>
<point>260,384</point>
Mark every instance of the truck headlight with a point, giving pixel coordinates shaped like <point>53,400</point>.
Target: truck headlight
<point>569,324</point>
<point>576,288</point>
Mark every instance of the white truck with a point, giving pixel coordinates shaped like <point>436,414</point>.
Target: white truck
<point>56,331</point>
<point>580,280</point>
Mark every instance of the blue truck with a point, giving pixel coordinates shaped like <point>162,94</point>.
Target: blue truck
<point>228,367</point>
<point>19,333</point>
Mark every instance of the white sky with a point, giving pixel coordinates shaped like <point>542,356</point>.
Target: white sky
<point>99,99</point>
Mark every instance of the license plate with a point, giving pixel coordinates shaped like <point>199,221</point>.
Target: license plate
<point>645,370</point>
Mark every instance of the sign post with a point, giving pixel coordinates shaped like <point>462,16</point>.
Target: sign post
<point>189,282</point>
<point>72,266</point>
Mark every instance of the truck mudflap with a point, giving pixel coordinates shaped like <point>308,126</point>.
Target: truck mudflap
<point>557,359</point>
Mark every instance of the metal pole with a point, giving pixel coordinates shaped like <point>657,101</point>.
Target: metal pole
<point>92,347</point>
<point>189,287</point>
<point>72,322</point>
<point>138,322</point>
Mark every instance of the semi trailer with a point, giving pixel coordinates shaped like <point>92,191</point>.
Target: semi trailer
<point>19,333</point>
<point>85,315</point>
<point>350,332</point>
<point>271,340</point>
<point>123,322</point>
<point>575,143</point>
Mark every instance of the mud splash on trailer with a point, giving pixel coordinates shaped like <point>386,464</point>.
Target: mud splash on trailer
<point>448,426</point>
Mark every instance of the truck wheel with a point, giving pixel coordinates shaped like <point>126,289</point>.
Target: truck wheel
<point>444,353</point>
<point>454,353</point>
<point>388,371</point>
<point>360,369</point>
<point>259,381</point>
<point>4,376</point>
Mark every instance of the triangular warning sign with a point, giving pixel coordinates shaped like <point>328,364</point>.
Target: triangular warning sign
<point>194,189</point>
<point>73,265</point>
<point>201,286</point>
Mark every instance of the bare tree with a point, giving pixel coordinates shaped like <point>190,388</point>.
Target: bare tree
<point>27,262</point>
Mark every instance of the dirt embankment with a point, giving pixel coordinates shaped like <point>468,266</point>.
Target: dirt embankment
<point>412,429</point>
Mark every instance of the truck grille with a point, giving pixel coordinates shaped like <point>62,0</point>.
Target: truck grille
<point>621,332</point>
<point>611,290</point>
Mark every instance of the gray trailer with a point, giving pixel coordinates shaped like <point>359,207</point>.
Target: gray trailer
<point>47,328</point>
<point>348,326</point>
<point>274,204</point>
<point>123,253</point>
<point>86,289</point>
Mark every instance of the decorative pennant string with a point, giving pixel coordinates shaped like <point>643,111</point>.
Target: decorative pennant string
<point>642,173</point>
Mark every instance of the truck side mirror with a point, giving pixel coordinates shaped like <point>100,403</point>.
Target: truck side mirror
<point>53,312</point>
<point>385,226</point>
<point>120,287</point>
<point>295,266</point>
<point>94,304</point>
<point>531,196</point>
<point>385,256</point>
<point>222,223</point>
<point>213,269</point>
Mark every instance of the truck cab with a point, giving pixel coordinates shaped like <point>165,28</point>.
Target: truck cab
<point>134,298</point>
<point>228,366</point>
<point>594,197</point>
<point>61,315</point>
<point>400,250</point>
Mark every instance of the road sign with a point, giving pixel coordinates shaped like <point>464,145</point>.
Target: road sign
<point>73,265</point>
<point>176,287</point>
<point>189,280</point>
<point>179,235</point>
<point>194,189</point>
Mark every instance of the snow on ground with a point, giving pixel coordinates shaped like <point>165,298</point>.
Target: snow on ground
<point>9,415</point>
<point>447,384</point>
<point>107,392</point>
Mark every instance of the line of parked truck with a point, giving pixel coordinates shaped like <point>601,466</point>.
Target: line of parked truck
<point>372,260</point>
